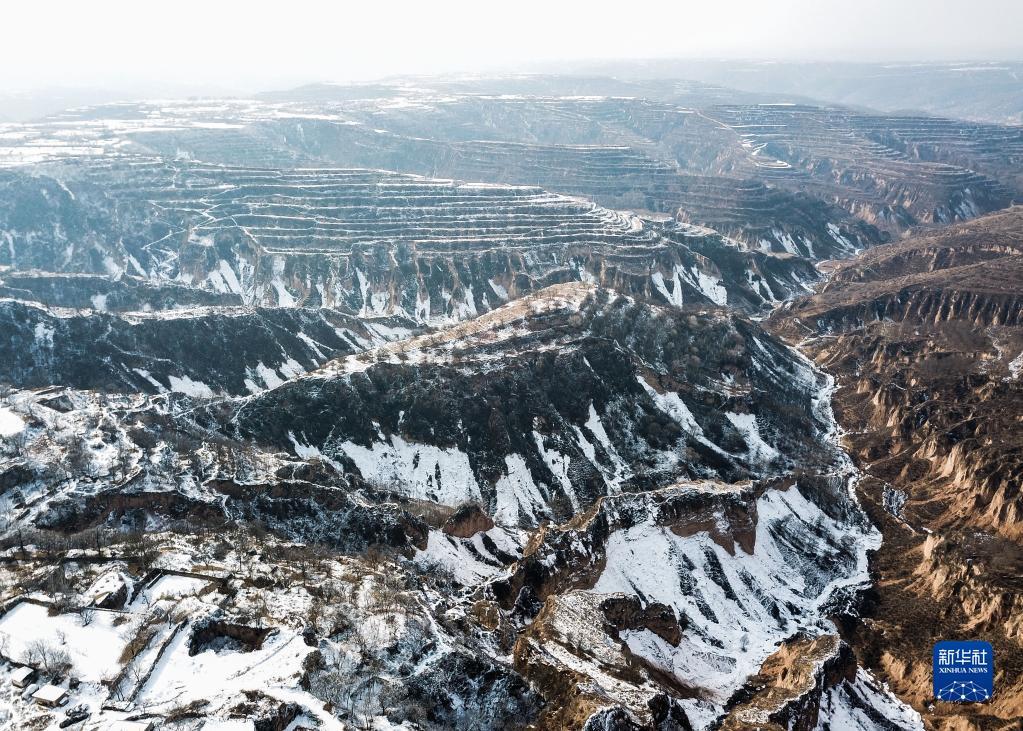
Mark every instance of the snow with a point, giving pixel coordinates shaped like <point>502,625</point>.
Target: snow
<point>284,297</point>
<point>185,385</point>
<point>217,281</point>
<point>421,471</point>
<point>620,470</point>
<point>312,344</point>
<point>107,583</point>
<point>305,451</point>
<point>465,565</point>
<point>268,375</point>
<point>759,450</point>
<point>230,724</point>
<point>466,310</point>
<point>731,601</point>
<point>44,336</point>
<point>738,606</point>
<point>836,234</point>
<point>518,497</point>
<point>19,676</point>
<point>558,464</point>
<point>761,287</point>
<point>672,405</point>
<point>785,239</point>
<point>180,678</point>
<point>856,706</point>
<point>709,285</point>
<point>673,297</point>
<point>229,277</point>
<point>712,287</point>
<point>423,304</point>
<point>148,376</point>
<point>385,332</point>
<point>1016,367</point>
<point>500,291</point>
<point>577,619</point>
<point>170,586</point>
<point>10,423</point>
<point>94,649</point>
<point>51,694</point>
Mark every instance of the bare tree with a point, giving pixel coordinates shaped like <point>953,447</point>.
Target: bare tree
<point>142,548</point>
<point>53,661</point>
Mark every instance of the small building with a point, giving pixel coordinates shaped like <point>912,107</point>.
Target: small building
<point>22,676</point>
<point>50,696</point>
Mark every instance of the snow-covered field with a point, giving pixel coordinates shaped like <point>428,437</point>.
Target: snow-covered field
<point>94,649</point>
<point>10,423</point>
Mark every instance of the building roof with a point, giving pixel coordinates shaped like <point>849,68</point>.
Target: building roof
<point>50,694</point>
<point>22,674</point>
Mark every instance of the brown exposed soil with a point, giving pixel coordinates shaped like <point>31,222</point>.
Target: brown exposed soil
<point>790,684</point>
<point>467,521</point>
<point>925,337</point>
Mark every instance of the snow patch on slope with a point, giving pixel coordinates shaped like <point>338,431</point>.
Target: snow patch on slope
<point>738,606</point>
<point>759,450</point>
<point>558,464</point>
<point>619,470</point>
<point>1016,367</point>
<point>711,287</point>
<point>855,706</point>
<point>10,423</point>
<point>422,471</point>
<point>185,385</point>
<point>517,495</point>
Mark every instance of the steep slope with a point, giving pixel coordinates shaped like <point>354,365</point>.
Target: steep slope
<point>107,293</point>
<point>542,406</point>
<point>723,575</point>
<point>201,351</point>
<point>924,336</point>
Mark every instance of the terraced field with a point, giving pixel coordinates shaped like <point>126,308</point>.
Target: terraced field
<point>374,242</point>
<point>768,172</point>
<point>895,172</point>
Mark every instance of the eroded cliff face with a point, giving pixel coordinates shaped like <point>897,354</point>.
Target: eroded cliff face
<point>925,339</point>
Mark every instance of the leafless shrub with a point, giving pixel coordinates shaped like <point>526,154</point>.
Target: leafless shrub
<point>51,660</point>
<point>86,615</point>
<point>141,635</point>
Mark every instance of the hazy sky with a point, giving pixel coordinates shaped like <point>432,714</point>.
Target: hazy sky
<point>205,44</point>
